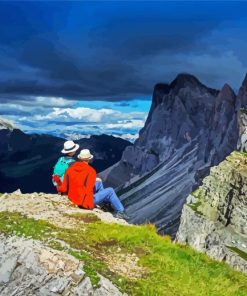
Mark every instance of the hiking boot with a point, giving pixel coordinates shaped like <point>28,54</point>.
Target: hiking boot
<point>105,207</point>
<point>121,215</point>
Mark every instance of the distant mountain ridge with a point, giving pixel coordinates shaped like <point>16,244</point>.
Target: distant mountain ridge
<point>190,128</point>
<point>27,160</point>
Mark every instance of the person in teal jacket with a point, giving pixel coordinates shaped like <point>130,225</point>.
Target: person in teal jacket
<point>69,151</point>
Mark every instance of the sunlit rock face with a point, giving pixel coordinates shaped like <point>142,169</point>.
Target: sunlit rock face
<point>190,128</point>
<point>214,219</point>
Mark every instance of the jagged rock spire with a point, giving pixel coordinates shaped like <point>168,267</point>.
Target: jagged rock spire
<point>227,94</point>
<point>242,95</point>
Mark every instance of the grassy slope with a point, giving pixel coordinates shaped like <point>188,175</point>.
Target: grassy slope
<point>170,269</point>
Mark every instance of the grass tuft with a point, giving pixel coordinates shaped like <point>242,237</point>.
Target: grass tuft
<point>85,217</point>
<point>241,253</point>
<point>195,207</point>
<point>243,153</point>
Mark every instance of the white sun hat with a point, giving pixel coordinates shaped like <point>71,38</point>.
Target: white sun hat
<point>69,146</point>
<point>85,154</point>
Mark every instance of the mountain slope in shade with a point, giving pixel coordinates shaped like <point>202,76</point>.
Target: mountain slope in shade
<point>190,127</point>
<point>27,160</point>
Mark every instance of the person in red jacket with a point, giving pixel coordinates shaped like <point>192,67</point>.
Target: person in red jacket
<point>85,189</point>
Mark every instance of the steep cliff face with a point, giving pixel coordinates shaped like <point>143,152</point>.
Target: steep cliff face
<point>242,122</point>
<point>190,127</point>
<point>214,219</point>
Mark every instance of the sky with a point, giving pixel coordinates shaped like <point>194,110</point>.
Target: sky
<point>81,68</point>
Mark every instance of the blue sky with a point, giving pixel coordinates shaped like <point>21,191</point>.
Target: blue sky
<point>62,63</point>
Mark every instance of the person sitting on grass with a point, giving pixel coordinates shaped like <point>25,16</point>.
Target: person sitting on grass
<point>86,190</point>
<point>63,163</point>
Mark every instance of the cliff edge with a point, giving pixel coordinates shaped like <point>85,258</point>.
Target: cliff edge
<point>48,247</point>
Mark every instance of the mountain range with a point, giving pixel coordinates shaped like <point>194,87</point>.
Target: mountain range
<point>190,128</point>
<point>27,161</point>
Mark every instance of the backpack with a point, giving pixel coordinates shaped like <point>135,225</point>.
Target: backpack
<point>60,167</point>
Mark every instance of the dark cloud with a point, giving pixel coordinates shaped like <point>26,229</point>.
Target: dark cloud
<point>123,104</point>
<point>145,38</point>
<point>105,51</point>
<point>22,21</point>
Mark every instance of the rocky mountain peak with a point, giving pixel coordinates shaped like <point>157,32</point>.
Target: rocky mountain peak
<point>164,93</point>
<point>244,84</point>
<point>160,90</point>
<point>184,79</point>
<point>242,95</point>
<point>227,94</point>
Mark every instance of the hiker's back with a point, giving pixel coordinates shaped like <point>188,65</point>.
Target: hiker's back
<point>80,179</point>
<point>61,166</point>
<point>78,173</point>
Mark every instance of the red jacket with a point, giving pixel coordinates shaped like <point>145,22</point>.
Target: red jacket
<point>78,183</point>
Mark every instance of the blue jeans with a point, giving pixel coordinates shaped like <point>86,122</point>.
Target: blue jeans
<point>106,195</point>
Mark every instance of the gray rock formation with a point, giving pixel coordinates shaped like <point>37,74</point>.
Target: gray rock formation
<point>190,128</point>
<point>29,268</point>
<point>214,219</point>
<point>242,94</point>
<point>242,122</point>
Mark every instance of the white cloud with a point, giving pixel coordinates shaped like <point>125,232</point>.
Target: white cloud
<point>81,114</point>
<point>61,117</point>
<point>128,137</point>
<point>126,124</point>
<point>53,102</point>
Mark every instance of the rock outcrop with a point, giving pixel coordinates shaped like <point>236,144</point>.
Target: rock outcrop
<point>242,122</point>
<point>214,218</point>
<point>27,160</point>
<point>29,268</point>
<point>190,128</point>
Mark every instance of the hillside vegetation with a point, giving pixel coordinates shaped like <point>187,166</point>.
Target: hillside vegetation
<point>134,258</point>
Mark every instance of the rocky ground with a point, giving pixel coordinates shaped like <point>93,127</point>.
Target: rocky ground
<point>54,208</point>
<point>27,267</point>
<point>30,267</point>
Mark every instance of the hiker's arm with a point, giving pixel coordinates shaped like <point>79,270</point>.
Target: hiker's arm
<point>63,188</point>
<point>88,202</point>
<point>91,181</point>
